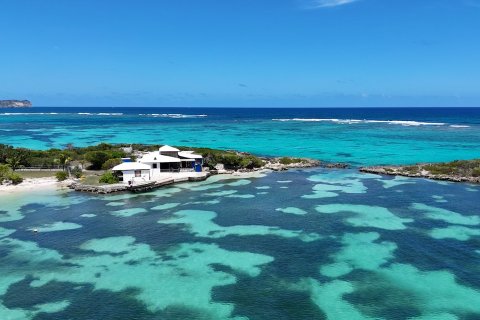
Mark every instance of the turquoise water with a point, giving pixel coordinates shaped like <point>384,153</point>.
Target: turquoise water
<point>356,136</point>
<point>306,244</point>
<point>312,244</point>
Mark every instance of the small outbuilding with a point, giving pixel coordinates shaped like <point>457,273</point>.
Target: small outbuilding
<point>131,172</point>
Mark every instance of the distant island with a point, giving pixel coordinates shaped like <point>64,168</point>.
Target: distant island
<point>15,104</point>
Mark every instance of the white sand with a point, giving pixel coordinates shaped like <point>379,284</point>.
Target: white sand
<point>35,184</point>
<point>32,184</point>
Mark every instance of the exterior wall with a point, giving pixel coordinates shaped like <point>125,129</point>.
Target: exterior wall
<point>130,176</point>
<point>154,172</point>
<point>157,172</point>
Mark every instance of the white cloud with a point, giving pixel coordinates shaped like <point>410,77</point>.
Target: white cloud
<point>330,3</point>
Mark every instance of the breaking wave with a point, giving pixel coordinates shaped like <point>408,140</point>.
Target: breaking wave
<point>173,115</point>
<point>406,123</point>
<point>27,113</point>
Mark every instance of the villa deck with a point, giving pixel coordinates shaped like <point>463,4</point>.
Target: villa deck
<point>143,186</point>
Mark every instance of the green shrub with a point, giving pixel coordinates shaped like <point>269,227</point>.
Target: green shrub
<point>109,178</point>
<point>251,162</point>
<point>77,172</point>
<point>287,160</point>
<point>441,168</point>
<point>110,163</point>
<point>476,172</point>
<point>411,169</point>
<point>5,172</point>
<point>61,175</point>
<point>96,158</point>
<point>15,178</point>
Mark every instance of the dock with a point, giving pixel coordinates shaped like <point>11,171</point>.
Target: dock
<point>121,187</point>
<point>143,186</point>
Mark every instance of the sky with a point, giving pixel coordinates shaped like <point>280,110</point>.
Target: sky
<point>241,53</point>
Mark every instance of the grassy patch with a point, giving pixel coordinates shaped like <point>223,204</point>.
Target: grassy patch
<point>458,168</point>
<point>288,160</point>
<point>36,174</point>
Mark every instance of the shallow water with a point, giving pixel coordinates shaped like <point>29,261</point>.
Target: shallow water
<point>357,136</point>
<point>374,248</point>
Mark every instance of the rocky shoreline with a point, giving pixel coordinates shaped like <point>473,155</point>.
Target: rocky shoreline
<point>275,164</point>
<point>406,171</point>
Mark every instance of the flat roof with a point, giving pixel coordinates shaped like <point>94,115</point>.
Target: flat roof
<point>167,148</point>
<point>126,166</point>
<point>189,155</point>
<point>156,157</point>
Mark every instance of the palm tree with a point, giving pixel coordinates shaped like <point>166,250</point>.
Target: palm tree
<point>56,161</point>
<point>64,161</point>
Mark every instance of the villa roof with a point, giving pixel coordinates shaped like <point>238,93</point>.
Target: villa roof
<point>156,157</point>
<point>126,166</point>
<point>167,148</point>
<point>189,155</point>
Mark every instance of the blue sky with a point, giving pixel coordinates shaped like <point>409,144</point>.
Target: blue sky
<point>241,53</point>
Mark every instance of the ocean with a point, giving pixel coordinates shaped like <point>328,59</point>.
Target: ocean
<point>356,136</point>
<point>301,244</point>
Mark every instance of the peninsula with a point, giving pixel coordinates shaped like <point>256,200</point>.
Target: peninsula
<point>15,104</point>
<point>455,171</point>
<point>106,168</point>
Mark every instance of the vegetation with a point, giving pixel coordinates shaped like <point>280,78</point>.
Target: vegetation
<point>412,169</point>
<point>63,160</point>
<point>476,172</point>
<point>211,157</point>
<point>15,178</point>
<point>230,159</point>
<point>61,175</point>
<point>36,174</point>
<point>110,163</point>
<point>77,172</point>
<point>457,168</point>
<point>288,160</point>
<point>105,156</point>
<point>94,156</point>
<point>8,175</point>
<point>108,177</point>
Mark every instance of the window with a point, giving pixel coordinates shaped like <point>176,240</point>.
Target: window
<point>154,166</point>
<point>164,166</point>
<point>138,173</point>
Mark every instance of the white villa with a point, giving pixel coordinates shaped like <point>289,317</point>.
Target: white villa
<point>167,162</point>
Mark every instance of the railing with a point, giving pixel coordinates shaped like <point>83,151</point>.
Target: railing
<point>177,170</point>
<point>39,169</point>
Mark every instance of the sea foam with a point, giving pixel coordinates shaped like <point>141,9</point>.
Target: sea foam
<point>356,121</point>
<point>172,115</point>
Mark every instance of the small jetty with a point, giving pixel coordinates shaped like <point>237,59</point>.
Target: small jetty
<point>121,187</point>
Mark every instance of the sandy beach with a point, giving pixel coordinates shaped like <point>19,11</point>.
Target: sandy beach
<point>30,184</point>
<point>37,184</point>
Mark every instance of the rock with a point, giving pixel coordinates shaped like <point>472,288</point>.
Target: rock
<point>219,167</point>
